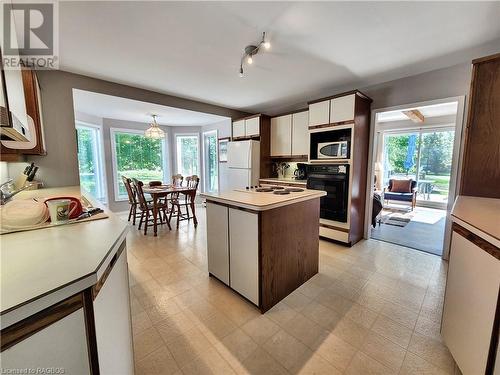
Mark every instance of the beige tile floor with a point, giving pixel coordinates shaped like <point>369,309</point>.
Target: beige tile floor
<point>374,308</point>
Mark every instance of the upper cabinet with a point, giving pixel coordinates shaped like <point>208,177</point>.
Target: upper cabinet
<point>335,110</point>
<point>239,128</point>
<point>319,113</point>
<point>290,135</point>
<point>300,133</point>
<point>342,108</point>
<point>252,127</point>
<point>281,136</point>
<point>248,127</point>
<point>12,150</point>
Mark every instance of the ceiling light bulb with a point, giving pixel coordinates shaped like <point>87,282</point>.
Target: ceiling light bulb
<point>249,59</point>
<point>267,45</point>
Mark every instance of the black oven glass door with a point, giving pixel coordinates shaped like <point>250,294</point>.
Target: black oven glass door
<point>333,205</point>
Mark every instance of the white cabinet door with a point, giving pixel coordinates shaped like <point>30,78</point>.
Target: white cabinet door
<point>62,345</point>
<point>244,253</point>
<point>300,133</point>
<point>342,108</point>
<point>319,113</point>
<point>252,126</point>
<point>218,241</point>
<point>239,128</point>
<point>113,322</point>
<point>281,136</point>
<point>470,304</point>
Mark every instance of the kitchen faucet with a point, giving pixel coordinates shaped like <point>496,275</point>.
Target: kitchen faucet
<point>6,196</point>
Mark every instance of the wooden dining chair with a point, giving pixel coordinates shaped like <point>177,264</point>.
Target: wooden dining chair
<point>177,203</point>
<point>147,216</point>
<point>177,180</point>
<point>132,199</point>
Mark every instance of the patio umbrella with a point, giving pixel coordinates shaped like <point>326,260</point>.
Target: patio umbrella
<point>412,144</point>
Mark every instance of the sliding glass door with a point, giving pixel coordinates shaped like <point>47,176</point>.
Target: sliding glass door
<point>424,155</point>
<point>210,161</point>
<point>90,160</point>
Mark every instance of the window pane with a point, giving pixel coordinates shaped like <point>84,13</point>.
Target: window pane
<point>211,164</point>
<point>86,163</point>
<point>187,155</point>
<point>400,160</point>
<point>89,164</point>
<point>137,157</point>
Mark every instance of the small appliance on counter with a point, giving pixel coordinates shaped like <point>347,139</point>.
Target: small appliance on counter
<point>301,172</point>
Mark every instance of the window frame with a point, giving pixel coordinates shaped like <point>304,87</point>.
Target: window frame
<point>112,136</point>
<point>194,134</point>
<point>100,155</point>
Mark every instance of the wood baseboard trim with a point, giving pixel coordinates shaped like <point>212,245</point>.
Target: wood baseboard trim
<point>25,328</point>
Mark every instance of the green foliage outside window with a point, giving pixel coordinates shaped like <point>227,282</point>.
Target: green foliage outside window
<point>138,157</point>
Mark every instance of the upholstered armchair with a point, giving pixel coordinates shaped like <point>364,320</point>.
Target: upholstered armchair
<point>402,191</point>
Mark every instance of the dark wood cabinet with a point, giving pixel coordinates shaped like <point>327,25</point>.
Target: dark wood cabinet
<point>32,96</point>
<point>480,174</point>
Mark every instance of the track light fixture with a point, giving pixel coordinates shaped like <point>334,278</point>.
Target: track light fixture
<point>251,50</point>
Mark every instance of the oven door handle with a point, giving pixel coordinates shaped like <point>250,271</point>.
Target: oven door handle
<point>328,176</point>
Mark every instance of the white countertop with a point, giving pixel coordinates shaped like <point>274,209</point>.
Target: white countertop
<point>284,180</point>
<point>479,215</point>
<point>258,201</point>
<point>37,264</point>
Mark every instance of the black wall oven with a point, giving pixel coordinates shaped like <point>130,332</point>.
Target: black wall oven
<point>334,179</point>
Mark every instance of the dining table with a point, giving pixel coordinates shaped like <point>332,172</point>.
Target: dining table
<point>163,191</point>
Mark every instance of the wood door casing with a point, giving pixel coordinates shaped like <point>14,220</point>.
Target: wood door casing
<point>480,174</point>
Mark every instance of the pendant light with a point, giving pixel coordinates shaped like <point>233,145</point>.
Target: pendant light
<point>154,130</point>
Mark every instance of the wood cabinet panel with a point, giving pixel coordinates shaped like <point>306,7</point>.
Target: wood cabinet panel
<point>300,133</point>
<point>252,127</point>
<point>319,113</point>
<point>281,136</point>
<point>342,108</point>
<point>481,167</point>
<point>288,261</point>
<point>239,128</point>
<point>244,253</point>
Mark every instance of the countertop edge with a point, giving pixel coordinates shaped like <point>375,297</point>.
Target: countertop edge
<point>262,208</point>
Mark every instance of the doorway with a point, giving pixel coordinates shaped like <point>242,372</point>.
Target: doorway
<point>210,161</point>
<point>414,165</point>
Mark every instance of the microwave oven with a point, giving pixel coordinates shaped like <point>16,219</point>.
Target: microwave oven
<point>332,150</point>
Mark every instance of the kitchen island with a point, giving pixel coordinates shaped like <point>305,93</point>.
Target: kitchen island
<point>65,298</point>
<point>263,244</point>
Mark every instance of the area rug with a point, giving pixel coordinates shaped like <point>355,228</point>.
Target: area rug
<point>397,219</point>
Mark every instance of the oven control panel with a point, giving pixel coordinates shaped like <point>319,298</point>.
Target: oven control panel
<point>327,169</point>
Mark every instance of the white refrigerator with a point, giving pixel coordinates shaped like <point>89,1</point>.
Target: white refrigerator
<point>243,162</point>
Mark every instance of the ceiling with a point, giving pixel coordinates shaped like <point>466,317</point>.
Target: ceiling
<point>107,106</point>
<point>429,111</point>
<point>193,49</point>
